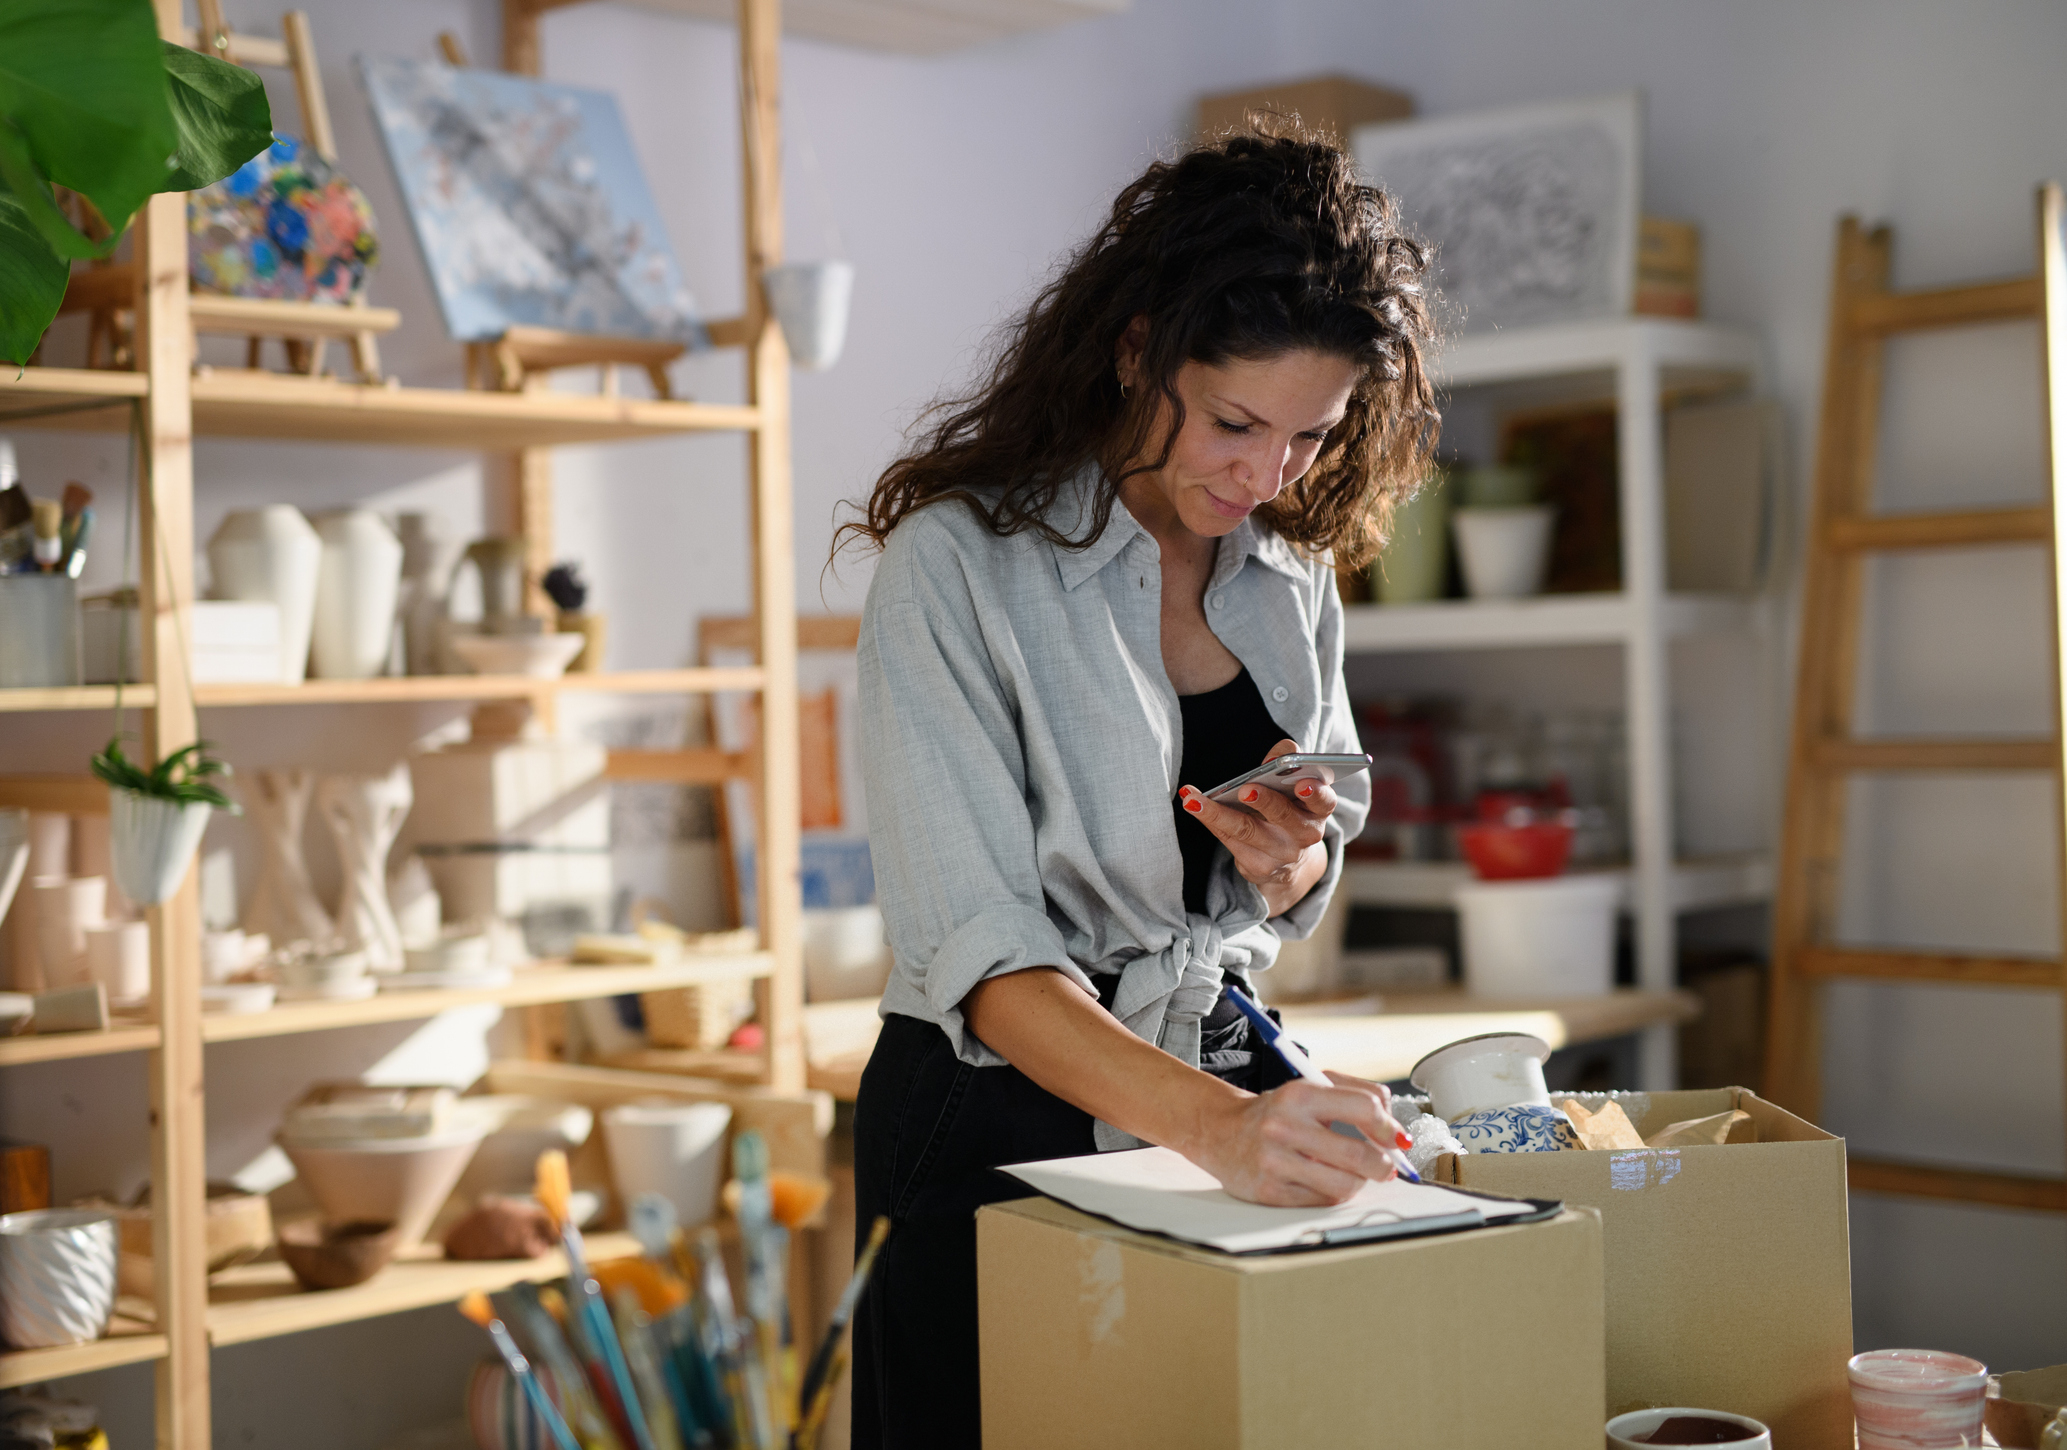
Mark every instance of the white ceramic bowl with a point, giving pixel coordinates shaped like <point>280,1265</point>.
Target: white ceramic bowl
<point>1642,1422</point>
<point>237,999</point>
<point>538,656</point>
<point>57,1276</point>
<point>404,1181</point>
<point>327,973</point>
<point>1493,1070</point>
<point>461,953</point>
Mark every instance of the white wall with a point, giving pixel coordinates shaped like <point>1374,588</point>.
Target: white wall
<point>955,182</point>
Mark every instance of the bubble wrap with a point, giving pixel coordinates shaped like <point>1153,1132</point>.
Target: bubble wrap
<point>1432,1138</point>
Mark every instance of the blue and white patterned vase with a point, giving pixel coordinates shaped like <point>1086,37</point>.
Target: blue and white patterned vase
<point>1525,1128</point>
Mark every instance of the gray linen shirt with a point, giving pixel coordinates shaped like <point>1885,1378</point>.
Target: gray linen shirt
<point>1020,743</point>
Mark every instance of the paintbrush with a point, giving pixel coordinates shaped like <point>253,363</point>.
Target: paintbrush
<point>766,1246</point>
<point>551,1345</point>
<point>74,538</point>
<point>475,1307</point>
<point>635,1328</point>
<point>734,1351</point>
<point>555,1190</point>
<point>812,1425</point>
<point>818,1379</point>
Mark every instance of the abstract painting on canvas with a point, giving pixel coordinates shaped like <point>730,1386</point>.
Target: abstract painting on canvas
<point>528,204</point>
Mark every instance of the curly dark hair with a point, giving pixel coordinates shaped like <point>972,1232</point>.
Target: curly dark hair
<point>1247,247</point>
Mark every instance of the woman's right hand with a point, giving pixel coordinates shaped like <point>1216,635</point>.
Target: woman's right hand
<point>1276,1148</point>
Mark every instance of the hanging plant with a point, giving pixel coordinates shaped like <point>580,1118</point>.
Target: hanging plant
<point>157,816</point>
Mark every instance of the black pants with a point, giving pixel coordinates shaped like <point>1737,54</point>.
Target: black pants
<point>928,1130</point>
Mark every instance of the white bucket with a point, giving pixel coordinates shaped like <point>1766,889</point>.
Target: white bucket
<point>845,955</point>
<point>1548,938</point>
<point>676,1150</point>
<point>1504,552</point>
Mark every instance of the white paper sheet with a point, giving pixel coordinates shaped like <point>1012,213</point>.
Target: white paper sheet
<point>1158,1191</point>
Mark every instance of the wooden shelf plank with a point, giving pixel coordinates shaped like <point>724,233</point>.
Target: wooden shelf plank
<point>262,405</point>
<point>405,689</point>
<point>57,1046</point>
<point>128,1341</point>
<point>1384,1042</point>
<point>530,987</point>
<point>1951,969</point>
<point>1550,619</point>
<point>1693,355</point>
<point>1963,1185</point>
<point>262,1301</point>
<point>77,697</point>
<point>68,397</point>
<point>1697,882</point>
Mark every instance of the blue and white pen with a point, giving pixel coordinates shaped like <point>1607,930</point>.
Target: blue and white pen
<point>1301,1065</point>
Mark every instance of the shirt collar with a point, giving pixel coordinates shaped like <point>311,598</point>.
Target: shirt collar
<point>1070,514</point>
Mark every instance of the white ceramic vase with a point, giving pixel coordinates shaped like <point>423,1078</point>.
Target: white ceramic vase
<point>63,909</point>
<point>358,586</point>
<point>153,843</point>
<point>429,558</point>
<point>1482,1074</point>
<point>271,554</point>
<point>364,813</point>
<point>283,904</point>
<point>811,300</point>
<point>57,1276</point>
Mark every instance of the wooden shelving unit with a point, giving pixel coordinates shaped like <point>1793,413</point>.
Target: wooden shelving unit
<point>170,402</point>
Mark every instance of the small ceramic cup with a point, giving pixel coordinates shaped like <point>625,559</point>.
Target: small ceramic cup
<point>1624,1430</point>
<point>118,955</point>
<point>1908,1399</point>
<point>1476,1074</point>
<point>326,972</point>
<point>1524,1128</point>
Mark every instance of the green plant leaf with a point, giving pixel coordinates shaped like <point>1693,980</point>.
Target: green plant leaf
<point>32,282</point>
<point>83,82</point>
<point>18,175</point>
<point>222,115</point>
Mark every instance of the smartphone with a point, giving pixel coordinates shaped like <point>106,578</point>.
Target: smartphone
<point>1284,774</point>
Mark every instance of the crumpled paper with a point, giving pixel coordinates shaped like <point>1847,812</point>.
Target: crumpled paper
<point>1605,1127</point>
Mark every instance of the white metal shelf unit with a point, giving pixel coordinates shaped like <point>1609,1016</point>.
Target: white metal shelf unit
<point>1638,364</point>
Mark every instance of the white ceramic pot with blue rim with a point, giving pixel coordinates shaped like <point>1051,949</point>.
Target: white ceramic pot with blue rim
<point>1478,1074</point>
<point>1524,1128</point>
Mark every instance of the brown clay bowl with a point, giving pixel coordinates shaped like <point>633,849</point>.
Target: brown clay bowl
<point>2023,1402</point>
<point>324,1255</point>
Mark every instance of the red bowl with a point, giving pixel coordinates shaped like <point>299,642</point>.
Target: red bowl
<point>1515,853</point>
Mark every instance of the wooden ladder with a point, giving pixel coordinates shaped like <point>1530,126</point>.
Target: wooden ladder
<point>1826,750</point>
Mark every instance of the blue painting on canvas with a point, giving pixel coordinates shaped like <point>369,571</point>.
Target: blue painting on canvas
<point>528,204</point>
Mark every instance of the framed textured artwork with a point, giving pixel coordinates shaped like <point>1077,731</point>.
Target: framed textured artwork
<point>1533,211</point>
<point>528,204</point>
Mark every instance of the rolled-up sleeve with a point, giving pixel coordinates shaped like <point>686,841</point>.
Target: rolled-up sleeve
<point>950,832</point>
<point>1337,735</point>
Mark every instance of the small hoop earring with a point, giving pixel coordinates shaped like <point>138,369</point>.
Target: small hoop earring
<point>1125,392</point>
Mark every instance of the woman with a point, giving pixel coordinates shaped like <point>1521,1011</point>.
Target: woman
<point>1105,587</point>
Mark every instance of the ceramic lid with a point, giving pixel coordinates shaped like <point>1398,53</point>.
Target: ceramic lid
<point>1478,1046</point>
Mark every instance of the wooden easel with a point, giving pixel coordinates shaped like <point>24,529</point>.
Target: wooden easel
<point>306,329</point>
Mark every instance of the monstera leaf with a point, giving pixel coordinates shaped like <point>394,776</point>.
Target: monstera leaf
<point>92,100</point>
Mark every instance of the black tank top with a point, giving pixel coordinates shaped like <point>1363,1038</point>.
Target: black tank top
<point>1226,732</point>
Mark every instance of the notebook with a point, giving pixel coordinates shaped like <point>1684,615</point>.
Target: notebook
<point>1158,1191</point>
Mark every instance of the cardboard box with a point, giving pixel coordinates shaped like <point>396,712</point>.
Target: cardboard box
<point>1093,1334</point>
<point>1334,104</point>
<point>1729,1282</point>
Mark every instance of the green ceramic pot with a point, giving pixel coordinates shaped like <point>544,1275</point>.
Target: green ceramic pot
<point>1415,563</point>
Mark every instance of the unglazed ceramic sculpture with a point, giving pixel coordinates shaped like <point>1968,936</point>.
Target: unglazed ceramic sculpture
<point>283,905</point>
<point>429,558</point>
<point>364,813</point>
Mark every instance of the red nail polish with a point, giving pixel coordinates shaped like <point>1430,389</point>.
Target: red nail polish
<point>1193,806</point>
<point>1249,796</point>
<point>1305,791</point>
<point>1403,1140</point>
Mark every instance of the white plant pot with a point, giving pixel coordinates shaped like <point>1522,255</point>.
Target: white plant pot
<point>57,1277</point>
<point>358,587</point>
<point>1504,551</point>
<point>271,554</point>
<point>676,1150</point>
<point>811,300</point>
<point>1549,938</point>
<point>153,843</point>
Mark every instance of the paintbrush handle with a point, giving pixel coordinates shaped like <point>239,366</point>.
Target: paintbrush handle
<point>605,1335</point>
<point>520,1371</point>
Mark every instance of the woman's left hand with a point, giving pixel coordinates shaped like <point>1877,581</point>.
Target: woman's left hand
<point>1275,839</point>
